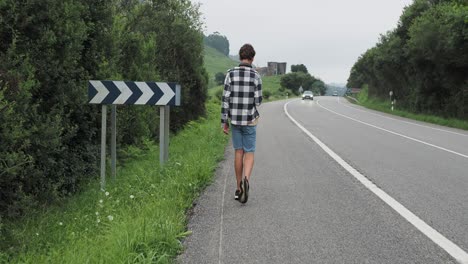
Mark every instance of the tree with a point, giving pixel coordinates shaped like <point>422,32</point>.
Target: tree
<point>218,42</point>
<point>295,80</point>
<point>49,49</point>
<point>43,67</point>
<point>437,44</point>
<point>219,78</point>
<point>299,68</point>
<point>423,61</point>
<point>318,87</point>
<point>292,81</point>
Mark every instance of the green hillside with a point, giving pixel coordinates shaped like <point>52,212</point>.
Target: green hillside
<point>271,84</point>
<point>271,89</point>
<point>216,62</point>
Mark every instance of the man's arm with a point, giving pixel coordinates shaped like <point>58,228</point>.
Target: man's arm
<point>258,91</point>
<point>225,99</point>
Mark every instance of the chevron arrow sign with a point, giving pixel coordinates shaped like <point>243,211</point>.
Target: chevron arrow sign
<point>133,93</point>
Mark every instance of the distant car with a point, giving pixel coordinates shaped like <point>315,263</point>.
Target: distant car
<point>335,93</point>
<point>308,95</point>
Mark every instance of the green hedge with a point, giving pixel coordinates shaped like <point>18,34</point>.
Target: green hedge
<point>49,49</point>
<point>424,61</point>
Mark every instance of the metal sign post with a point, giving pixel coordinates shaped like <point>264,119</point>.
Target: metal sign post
<point>103,146</point>
<point>114,141</point>
<point>132,93</point>
<point>164,134</point>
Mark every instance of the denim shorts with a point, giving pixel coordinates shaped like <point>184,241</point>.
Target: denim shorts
<point>244,137</point>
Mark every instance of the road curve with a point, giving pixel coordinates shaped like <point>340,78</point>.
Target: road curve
<point>306,208</point>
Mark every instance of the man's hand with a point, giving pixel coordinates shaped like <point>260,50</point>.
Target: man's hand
<point>226,128</point>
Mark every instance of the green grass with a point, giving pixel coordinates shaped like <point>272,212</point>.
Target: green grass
<point>385,106</point>
<point>141,217</point>
<point>271,89</point>
<point>216,62</point>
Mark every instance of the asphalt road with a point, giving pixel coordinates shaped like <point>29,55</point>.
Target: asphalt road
<point>305,207</point>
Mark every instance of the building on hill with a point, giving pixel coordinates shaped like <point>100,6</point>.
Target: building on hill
<point>276,68</point>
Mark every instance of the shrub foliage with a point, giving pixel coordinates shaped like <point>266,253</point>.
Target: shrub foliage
<point>424,61</point>
<point>49,49</point>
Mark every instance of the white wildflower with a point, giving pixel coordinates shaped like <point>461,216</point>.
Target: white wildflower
<point>37,234</point>
<point>107,193</point>
<point>97,213</point>
<point>110,217</point>
<point>131,196</point>
<point>60,223</point>
<point>99,220</point>
<point>101,201</point>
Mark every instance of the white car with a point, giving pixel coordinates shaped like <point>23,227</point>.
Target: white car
<point>308,95</point>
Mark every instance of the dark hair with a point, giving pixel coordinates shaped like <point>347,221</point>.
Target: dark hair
<point>247,52</point>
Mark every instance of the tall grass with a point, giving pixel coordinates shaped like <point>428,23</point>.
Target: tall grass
<point>385,106</point>
<point>139,218</point>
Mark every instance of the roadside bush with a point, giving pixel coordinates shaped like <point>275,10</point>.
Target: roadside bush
<point>424,60</point>
<point>219,78</point>
<point>49,49</point>
<point>219,93</point>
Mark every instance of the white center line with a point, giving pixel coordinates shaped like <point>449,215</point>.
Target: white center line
<point>451,248</point>
<point>395,133</point>
<point>403,121</point>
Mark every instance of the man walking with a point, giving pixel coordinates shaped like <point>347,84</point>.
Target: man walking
<point>241,96</point>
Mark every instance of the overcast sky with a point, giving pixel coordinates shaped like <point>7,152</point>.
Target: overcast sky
<point>326,35</point>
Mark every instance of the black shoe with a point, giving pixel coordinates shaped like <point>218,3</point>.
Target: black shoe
<point>237,195</point>
<point>244,191</point>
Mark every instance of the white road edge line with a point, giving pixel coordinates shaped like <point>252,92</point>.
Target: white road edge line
<point>450,247</point>
<point>395,133</point>
<point>221,222</point>
<point>403,121</point>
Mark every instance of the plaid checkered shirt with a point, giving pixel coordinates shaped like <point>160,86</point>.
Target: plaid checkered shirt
<point>241,96</point>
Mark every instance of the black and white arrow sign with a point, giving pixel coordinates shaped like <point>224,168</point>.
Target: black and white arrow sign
<point>133,93</point>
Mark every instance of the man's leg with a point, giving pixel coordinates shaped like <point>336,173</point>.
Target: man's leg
<point>248,164</point>
<point>239,153</point>
<point>250,135</point>
<point>239,166</point>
